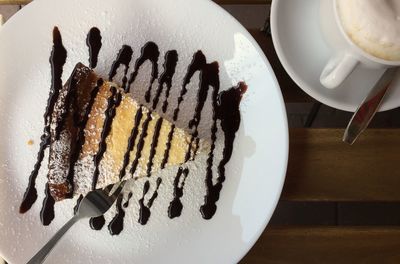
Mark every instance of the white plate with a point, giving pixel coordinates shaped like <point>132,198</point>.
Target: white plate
<point>255,174</point>
<point>303,52</point>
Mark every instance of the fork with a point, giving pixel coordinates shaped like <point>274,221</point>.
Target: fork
<point>94,204</point>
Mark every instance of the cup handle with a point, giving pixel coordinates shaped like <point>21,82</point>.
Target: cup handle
<point>337,70</point>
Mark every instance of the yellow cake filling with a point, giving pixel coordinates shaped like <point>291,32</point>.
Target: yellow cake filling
<point>122,125</point>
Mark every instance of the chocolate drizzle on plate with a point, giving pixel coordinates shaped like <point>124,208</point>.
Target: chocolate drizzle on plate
<point>140,144</point>
<point>229,113</point>
<point>168,147</point>
<point>47,212</point>
<point>70,99</point>
<point>131,142</point>
<point>171,60</point>
<point>112,103</point>
<point>81,134</point>
<point>58,58</point>
<point>97,223</point>
<point>93,41</point>
<point>144,210</point>
<point>225,108</point>
<point>198,63</point>
<point>175,206</point>
<point>149,52</point>
<point>124,57</point>
<point>126,204</point>
<point>209,77</point>
<point>30,195</point>
<point>117,223</point>
<point>153,146</point>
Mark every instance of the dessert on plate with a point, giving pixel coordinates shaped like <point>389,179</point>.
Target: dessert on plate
<point>100,134</point>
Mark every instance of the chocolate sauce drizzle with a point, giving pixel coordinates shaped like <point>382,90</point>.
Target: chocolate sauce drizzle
<point>93,41</point>
<point>140,144</point>
<point>196,143</point>
<point>81,135</point>
<point>149,52</point>
<point>209,77</point>
<point>225,106</point>
<point>226,110</point>
<point>155,194</point>
<point>47,212</point>
<point>190,146</point>
<point>70,99</point>
<point>229,114</point>
<point>168,73</point>
<point>117,223</point>
<point>126,204</point>
<point>171,60</point>
<point>168,147</point>
<point>209,207</point>
<point>131,142</point>
<point>153,146</point>
<point>30,195</point>
<point>197,64</point>
<point>57,60</point>
<point>97,223</point>
<point>144,210</point>
<point>166,78</point>
<point>112,103</point>
<point>175,207</point>
<point>124,57</point>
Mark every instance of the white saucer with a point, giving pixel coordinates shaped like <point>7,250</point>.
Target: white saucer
<point>303,52</point>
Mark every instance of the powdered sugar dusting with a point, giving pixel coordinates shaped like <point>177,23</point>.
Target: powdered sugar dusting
<point>59,165</point>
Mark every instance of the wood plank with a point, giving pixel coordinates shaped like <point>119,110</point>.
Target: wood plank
<point>14,2</point>
<point>291,92</point>
<point>221,2</point>
<point>326,245</point>
<point>8,11</point>
<point>323,168</point>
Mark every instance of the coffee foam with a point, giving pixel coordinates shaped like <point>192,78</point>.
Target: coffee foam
<point>373,25</point>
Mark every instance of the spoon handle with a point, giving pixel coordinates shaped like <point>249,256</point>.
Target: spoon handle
<point>46,249</point>
<point>367,110</point>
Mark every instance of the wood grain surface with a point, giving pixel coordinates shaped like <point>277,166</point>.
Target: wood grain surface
<point>14,2</point>
<point>221,2</point>
<point>326,245</point>
<point>323,168</point>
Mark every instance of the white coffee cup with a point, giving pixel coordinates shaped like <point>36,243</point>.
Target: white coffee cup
<point>347,55</point>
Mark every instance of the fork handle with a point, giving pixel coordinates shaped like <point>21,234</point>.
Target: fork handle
<point>46,249</point>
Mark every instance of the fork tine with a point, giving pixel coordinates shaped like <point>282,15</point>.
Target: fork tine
<point>108,188</point>
<point>117,188</point>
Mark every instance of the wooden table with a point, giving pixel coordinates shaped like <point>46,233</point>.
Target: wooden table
<point>322,168</point>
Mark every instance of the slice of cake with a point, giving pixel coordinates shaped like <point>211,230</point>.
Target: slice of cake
<point>99,135</point>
